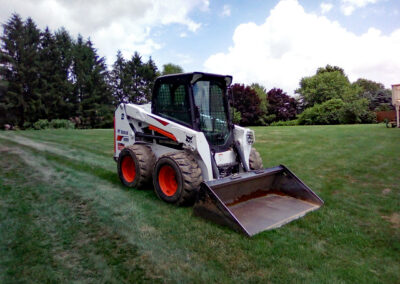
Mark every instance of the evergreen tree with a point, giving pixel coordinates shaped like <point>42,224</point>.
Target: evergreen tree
<point>119,79</point>
<point>30,71</point>
<point>64,87</point>
<point>92,95</point>
<point>136,90</point>
<point>50,77</point>
<point>141,77</point>
<point>19,67</point>
<point>132,81</point>
<point>12,103</point>
<point>150,73</point>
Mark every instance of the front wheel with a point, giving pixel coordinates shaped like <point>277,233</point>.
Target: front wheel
<point>177,178</point>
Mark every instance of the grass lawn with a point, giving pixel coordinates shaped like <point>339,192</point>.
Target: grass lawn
<point>65,217</point>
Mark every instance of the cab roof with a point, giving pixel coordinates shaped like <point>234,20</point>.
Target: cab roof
<point>192,77</point>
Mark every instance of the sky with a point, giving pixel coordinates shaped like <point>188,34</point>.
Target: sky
<point>274,43</point>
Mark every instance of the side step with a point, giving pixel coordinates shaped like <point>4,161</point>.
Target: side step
<point>256,201</point>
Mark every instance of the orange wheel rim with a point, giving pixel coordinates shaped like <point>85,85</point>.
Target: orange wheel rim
<point>128,169</point>
<point>167,180</point>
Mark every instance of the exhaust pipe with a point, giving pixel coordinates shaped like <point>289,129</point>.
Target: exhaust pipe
<point>256,201</point>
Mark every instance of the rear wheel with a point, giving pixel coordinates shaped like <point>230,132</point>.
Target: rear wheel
<point>177,178</point>
<point>135,165</point>
<point>255,160</point>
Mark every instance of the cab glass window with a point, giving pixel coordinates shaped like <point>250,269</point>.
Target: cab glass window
<point>173,103</point>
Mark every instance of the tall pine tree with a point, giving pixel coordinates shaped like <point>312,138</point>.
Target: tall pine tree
<point>91,91</point>
<point>12,102</point>
<point>119,80</point>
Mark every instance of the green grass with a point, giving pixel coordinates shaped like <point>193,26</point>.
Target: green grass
<point>65,217</point>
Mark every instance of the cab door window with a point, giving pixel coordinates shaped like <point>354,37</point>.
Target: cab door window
<point>173,103</point>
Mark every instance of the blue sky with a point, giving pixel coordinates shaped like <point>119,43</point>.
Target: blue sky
<point>215,34</point>
<point>274,43</point>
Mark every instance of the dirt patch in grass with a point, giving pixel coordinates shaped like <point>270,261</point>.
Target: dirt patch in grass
<point>394,219</point>
<point>28,142</point>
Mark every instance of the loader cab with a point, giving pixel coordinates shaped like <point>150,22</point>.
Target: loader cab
<point>198,101</point>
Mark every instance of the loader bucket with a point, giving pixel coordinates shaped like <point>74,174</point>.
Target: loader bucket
<point>256,201</point>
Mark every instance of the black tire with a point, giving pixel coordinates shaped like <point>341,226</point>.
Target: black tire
<point>177,178</point>
<point>135,165</point>
<point>255,161</point>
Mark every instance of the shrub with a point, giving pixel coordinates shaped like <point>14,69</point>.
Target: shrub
<point>27,125</point>
<point>270,118</point>
<point>335,111</point>
<point>55,123</point>
<point>285,123</point>
<point>355,112</point>
<point>61,123</point>
<point>41,124</point>
<point>369,117</point>
<point>325,113</point>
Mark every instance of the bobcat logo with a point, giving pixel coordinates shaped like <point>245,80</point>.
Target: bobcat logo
<point>189,139</point>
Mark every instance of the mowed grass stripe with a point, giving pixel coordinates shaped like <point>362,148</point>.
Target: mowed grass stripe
<point>52,234</point>
<point>351,239</point>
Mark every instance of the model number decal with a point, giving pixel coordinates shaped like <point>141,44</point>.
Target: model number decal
<point>123,132</point>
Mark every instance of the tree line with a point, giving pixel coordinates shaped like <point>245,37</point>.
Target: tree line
<point>51,75</point>
<point>328,97</point>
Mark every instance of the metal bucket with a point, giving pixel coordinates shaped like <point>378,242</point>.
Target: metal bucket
<point>256,201</point>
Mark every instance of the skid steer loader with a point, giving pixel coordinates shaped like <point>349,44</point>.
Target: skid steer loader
<point>186,144</point>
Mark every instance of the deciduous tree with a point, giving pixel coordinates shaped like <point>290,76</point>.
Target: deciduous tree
<point>376,94</point>
<point>281,105</point>
<point>328,83</point>
<point>246,101</point>
<point>170,68</point>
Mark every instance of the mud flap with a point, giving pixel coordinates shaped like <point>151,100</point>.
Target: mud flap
<point>256,201</point>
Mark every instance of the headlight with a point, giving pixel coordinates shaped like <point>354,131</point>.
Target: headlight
<point>250,137</point>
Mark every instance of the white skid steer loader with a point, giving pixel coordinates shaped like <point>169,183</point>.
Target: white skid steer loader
<point>186,144</point>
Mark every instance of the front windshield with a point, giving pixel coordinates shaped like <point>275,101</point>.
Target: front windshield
<point>209,98</point>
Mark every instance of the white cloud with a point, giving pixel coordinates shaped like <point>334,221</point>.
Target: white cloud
<point>112,25</point>
<point>348,6</point>
<point>226,12</point>
<point>325,7</point>
<point>292,44</point>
